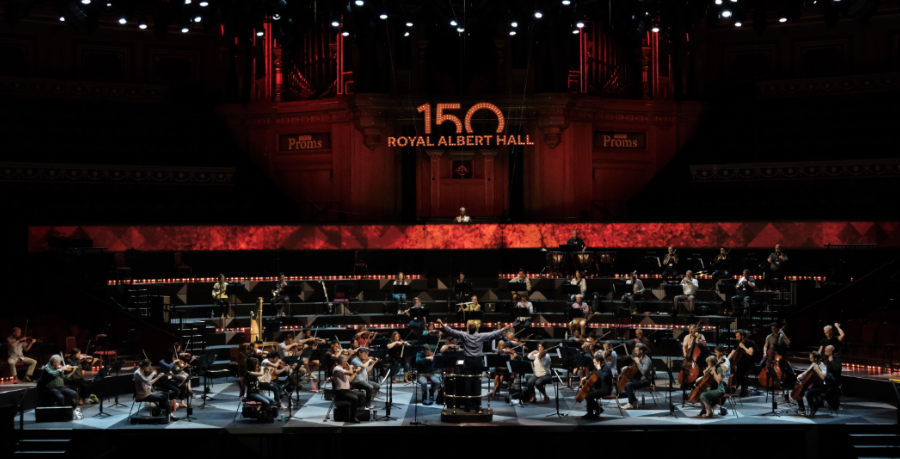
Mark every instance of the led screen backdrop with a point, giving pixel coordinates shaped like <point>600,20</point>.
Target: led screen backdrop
<point>489,236</point>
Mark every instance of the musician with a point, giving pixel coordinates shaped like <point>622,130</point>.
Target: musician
<point>744,288</point>
<point>746,363</point>
<point>167,367</point>
<point>525,321</point>
<point>775,270</point>
<point>637,291</point>
<point>450,345</point>
<point>311,365</point>
<point>720,353</point>
<point>577,241</point>
<point>288,348</point>
<point>179,350</point>
<point>694,337</point>
<point>580,322</point>
<point>541,375</point>
<point>713,394</point>
<point>75,378</point>
<point>689,287</point>
<point>397,358</point>
<point>341,376</point>
<point>609,350</point>
<point>281,300</point>
<point>251,379</point>
<point>834,341</point>
<point>603,387</point>
<point>364,336</point>
<point>53,384</point>
<point>425,367</point>
<point>473,306</point>
<point>144,379</point>
<point>467,288</point>
<point>400,298</point>
<point>416,324</point>
<point>639,338</point>
<point>220,297</point>
<point>520,279</point>
<point>833,363</point>
<point>472,344</point>
<point>502,372</point>
<point>817,384</point>
<point>271,370</point>
<point>580,282</point>
<point>640,381</point>
<point>18,345</point>
<point>363,366</point>
<point>670,264</point>
<point>462,217</point>
<point>332,356</point>
<point>777,341</point>
<point>721,265</point>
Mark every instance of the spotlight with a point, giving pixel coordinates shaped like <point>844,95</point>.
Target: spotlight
<point>260,33</point>
<point>122,21</point>
<point>62,19</point>
<point>538,15</point>
<point>460,29</point>
<point>409,24</point>
<point>654,28</point>
<point>204,4</point>
<point>726,13</point>
<point>86,2</point>
<point>718,2</point>
<point>512,32</point>
<point>346,34</point>
<point>453,23</point>
<point>406,34</point>
<point>276,17</point>
<point>579,24</point>
<point>198,19</point>
<point>575,31</point>
<point>738,24</point>
<point>187,2</point>
<point>142,26</point>
<point>515,24</point>
<point>782,19</point>
<point>566,2</point>
<point>184,30</point>
<point>359,2</point>
<point>335,24</point>
<point>383,16</point>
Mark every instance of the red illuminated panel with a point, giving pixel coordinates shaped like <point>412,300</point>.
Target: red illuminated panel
<point>490,236</point>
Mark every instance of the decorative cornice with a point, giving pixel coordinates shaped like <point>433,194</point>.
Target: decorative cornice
<point>794,171</point>
<point>852,84</point>
<point>81,173</point>
<point>34,87</point>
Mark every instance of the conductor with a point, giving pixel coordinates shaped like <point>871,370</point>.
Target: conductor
<point>472,344</point>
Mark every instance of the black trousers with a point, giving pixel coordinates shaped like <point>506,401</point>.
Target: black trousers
<point>669,272</point>
<point>280,302</point>
<point>593,406</point>
<point>161,400</point>
<point>473,366</point>
<point>742,374</point>
<point>350,396</point>
<point>172,387</point>
<point>84,387</point>
<point>223,307</point>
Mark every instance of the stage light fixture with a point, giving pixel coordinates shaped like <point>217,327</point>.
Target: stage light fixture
<point>409,24</point>
<point>62,19</point>
<point>579,24</point>
<point>406,34</point>
<point>260,33</point>
<point>359,2</point>
<point>460,29</point>
<point>142,26</point>
<point>123,21</point>
<point>346,34</point>
<point>383,16</point>
<point>187,2</point>
<point>85,2</point>
<point>335,24</point>
<point>718,2</point>
<point>204,4</point>
<point>512,32</point>
<point>538,15</point>
<point>566,2</point>
<point>576,31</point>
<point>782,19</point>
<point>654,28</point>
<point>515,24</point>
<point>726,13</point>
<point>276,17</point>
<point>184,30</point>
<point>453,23</point>
<point>738,24</point>
<point>198,19</point>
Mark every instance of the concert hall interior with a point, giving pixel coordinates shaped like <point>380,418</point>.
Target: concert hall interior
<point>273,226</point>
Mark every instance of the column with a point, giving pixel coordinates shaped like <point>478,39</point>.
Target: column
<point>435,156</point>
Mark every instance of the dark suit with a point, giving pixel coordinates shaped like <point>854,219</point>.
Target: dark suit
<point>602,388</point>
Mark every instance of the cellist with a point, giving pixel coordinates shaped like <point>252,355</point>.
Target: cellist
<point>713,393</point>
<point>748,351</point>
<point>693,338</point>
<point>817,386</point>
<point>601,388</point>
<point>643,362</point>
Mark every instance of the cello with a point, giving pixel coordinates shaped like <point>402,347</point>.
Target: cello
<point>709,377</point>
<point>626,376</point>
<point>803,383</point>
<point>586,387</point>
<point>690,371</point>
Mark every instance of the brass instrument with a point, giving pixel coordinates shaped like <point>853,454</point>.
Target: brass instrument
<point>277,290</point>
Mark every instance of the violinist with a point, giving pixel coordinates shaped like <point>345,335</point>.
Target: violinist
<point>18,345</point>
<point>364,337</point>
<point>713,394</point>
<point>603,386</point>
<point>251,377</point>
<point>500,373</point>
<point>643,362</point>
<point>144,379</point>
<point>609,351</point>
<point>333,356</point>
<point>186,356</point>
<point>580,282</point>
<point>169,367</point>
<point>777,342</point>
<point>637,291</point>
<point>397,358</point>
<point>272,366</point>
<point>473,306</point>
<point>363,365</point>
<point>53,383</point>
<point>280,299</point>
<point>835,342</point>
<point>817,384</point>
<point>541,375</point>
<point>220,297</point>
<point>425,367</point>
<point>416,324</point>
<point>288,348</point>
<point>580,322</point>
<point>75,378</point>
<point>311,365</point>
<point>450,345</point>
<point>693,338</point>
<point>749,351</point>
<point>341,376</point>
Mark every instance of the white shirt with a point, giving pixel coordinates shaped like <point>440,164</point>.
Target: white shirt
<point>638,285</point>
<point>727,364</point>
<point>530,308</point>
<point>267,372</point>
<point>583,306</point>
<point>691,287</point>
<point>687,339</point>
<point>541,366</point>
<point>16,351</point>
<point>614,363</point>
<point>580,283</point>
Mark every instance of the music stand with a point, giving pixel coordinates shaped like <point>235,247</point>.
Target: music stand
<point>673,290</point>
<point>573,313</point>
<point>516,287</point>
<point>519,368</point>
<point>203,367</point>
<point>441,362</point>
<point>462,288</point>
<point>492,361</point>
<point>568,352</point>
<point>317,355</point>
<point>293,386</point>
<point>116,368</point>
<point>271,328</point>
<point>101,375</point>
<point>420,313</point>
<point>519,311</point>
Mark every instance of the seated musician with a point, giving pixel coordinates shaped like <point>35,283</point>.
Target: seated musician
<point>520,279</point>
<point>473,306</point>
<point>501,373</point>
<point>835,343</point>
<point>670,265</point>
<point>185,356</point>
<point>816,387</point>
<point>220,297</point>
<point>400,298</point>
<point>603,386</point>
<point>364,337</point>
<point>271,367</point>
<point>743,289</point>
<point>639,338</point>
<point>462,217</point>
<point>746,363</point>
<point>87,360</point>
<point>637,291</point>
<point>416,324</point>
<point>713,394</point>
<point>364,365</point>
<point>580,322</point>
<point>609,351</point>
<point>640,380</point>
<point>693,337</point>
<point>689,287</point>
<point>52,383</point>
<point>721,357</point>
<point>75,378</point>
<point>332,356</point>
<point>832,361</point>
<point>169,367</point>
<point>450,345</point>
<point>462,295</point>
<point>144,379</point>
<point>251,379</point>
<point>288,348</point>
<point>280,299</point>
<point>541,376</point>
<point>17,345</point>
<point>310,343</point>
<point>721,266</point>
<point>397,357</point>
<point>580,282</point>
<point>341,376</point>
<point>425,367</point>
<point>525,321</point>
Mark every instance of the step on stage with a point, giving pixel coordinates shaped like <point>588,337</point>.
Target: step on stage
<point>750,428</point>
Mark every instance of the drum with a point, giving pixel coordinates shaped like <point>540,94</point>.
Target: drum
<point>556,261</point>
<point>583,260</point>
<point>605,262</point>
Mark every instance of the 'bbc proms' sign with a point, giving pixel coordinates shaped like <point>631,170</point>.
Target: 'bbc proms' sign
<point>627,140</point>
<point>294,142</point>
<point>469,140</point>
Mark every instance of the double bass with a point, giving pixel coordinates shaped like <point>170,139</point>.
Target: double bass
<point>773,364</point>
<point>690,371</point>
